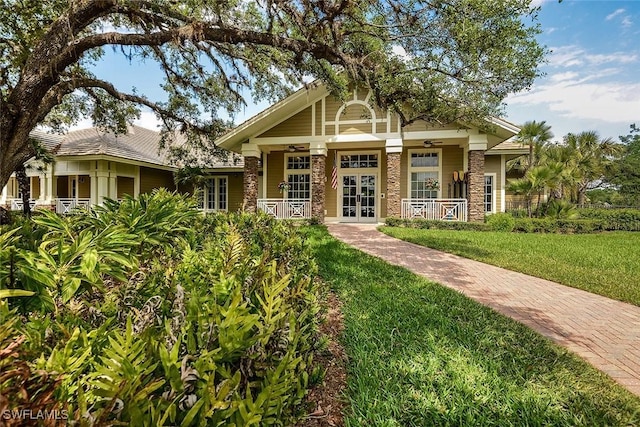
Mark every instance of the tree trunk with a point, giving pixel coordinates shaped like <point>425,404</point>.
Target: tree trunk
<point>24,187</point>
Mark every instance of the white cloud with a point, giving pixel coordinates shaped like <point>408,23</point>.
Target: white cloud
<point>614,14</point>
<point>560,77</point>
<point>627,22</point>
<point>610,102</point>
<point>536,3</point>
<point>148,120</point>
<point>571,56</point>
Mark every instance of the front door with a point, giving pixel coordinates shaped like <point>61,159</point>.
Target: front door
<point>359,198</point>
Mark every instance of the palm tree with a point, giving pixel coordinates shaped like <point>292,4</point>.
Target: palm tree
<point>535,135</point>
<point>588,158</point>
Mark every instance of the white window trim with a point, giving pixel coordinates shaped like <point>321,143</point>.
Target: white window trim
<point>494,192</point>
<point>411,169</point>
<point>377,171</point>
<point>216,193</point>
<point>288,171</point>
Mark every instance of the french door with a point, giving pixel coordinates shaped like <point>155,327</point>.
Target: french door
<point>359,197</point>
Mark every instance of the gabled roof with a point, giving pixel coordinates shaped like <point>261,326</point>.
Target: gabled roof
<point>301,99</point>
<point>262,121</point>
<point>510,146</point>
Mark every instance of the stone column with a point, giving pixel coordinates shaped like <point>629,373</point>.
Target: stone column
<point>318,185</point>
<point>475,186</point>
<point>394,151</point>
<point>250,182</point>
<point>251,153</point>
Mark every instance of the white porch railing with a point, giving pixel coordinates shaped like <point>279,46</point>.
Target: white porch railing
<point>286,208</point>
<point>66,206</point>
<point>16,204</point>
<point>435,209</point>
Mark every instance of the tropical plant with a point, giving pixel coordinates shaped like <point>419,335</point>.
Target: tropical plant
<point>589,156</point>
<point>218,328</point>
<point>535,135</point>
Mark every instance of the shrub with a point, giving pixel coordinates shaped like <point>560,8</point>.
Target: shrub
<point>501,222</point>
<point>614,219</point>
<point>436,225</point>
<point>560,209</point>
<point>218,330</point>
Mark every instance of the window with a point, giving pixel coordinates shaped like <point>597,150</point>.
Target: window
<point>298,176</point>
<point>216,194</point>
<point>358,161</point>
<point>488,193</point>
<point>424,174</point>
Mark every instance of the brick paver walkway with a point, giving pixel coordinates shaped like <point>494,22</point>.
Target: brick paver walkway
<point>603,331</point>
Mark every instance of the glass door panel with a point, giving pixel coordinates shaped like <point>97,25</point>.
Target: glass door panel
<point>349,196</point>
<point>359,197</point>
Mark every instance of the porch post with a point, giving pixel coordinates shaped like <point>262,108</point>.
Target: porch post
<point>103,182</point>
<point>47,190</point>
<point>475,187</point>
<point>394,151</point>
<point>318,151</point>
<point>251,154</point>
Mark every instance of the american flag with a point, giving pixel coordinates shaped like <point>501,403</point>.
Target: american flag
<point>334,172</point>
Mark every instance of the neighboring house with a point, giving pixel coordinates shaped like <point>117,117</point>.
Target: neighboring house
<point>91,165</point>
<point>311,155</point>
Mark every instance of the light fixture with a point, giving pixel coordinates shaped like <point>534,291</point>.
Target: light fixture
<point>291,149</point>
<point>427,143</point>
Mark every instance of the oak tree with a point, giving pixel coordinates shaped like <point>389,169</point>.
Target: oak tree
<point>425,59</point>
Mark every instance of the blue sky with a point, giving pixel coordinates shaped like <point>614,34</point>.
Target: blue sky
<point>591,81</point>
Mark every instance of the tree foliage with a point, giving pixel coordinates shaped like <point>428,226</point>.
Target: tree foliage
<point>459,59</point>
<point>625,173</point>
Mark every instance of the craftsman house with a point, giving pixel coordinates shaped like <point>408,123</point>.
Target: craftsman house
<point>91,165</point>
<point>311,155</point>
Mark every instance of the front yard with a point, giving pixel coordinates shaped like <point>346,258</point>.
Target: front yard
<point>421,354</point>
<point>607,264</point>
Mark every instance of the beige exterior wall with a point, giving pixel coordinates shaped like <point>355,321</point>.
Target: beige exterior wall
<point>124,185</point>
<point>35,187</point>
<point>235,191</point>
<point>12,188</point>
<point>151,179</point>
<point>492,165</point>
<point>84,186</point>
<point>275,174</point>
<point>331,195</point>
<point>297,125</point>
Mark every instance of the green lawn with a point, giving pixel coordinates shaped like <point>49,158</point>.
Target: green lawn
<point>421,354</point>
<point>606,264</point>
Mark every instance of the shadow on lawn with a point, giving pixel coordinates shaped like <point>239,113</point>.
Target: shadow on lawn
<point>422,354</point>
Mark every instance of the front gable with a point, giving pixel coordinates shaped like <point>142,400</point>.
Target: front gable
<point>314,116</point>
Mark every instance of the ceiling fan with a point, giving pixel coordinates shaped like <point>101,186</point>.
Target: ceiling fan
<point>294,148</point>
<point>429,143</point>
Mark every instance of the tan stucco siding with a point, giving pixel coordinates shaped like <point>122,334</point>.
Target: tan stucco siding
<point>275,174</point>
<point>84,187</point>
<point>151,179</point>
<point>124,186</point>
<point>297,125</point>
